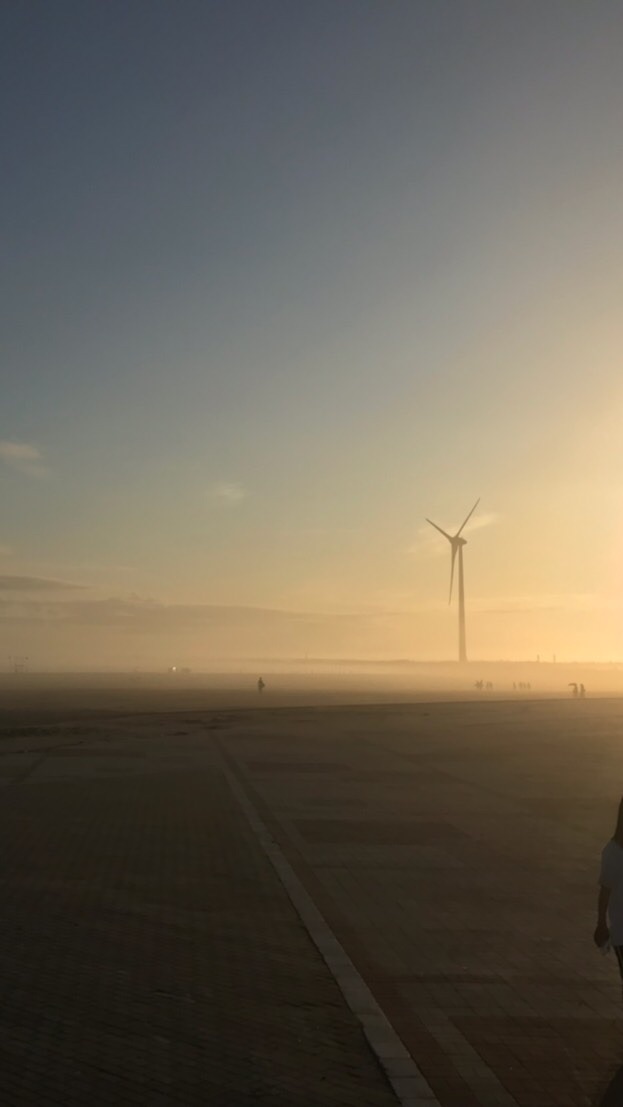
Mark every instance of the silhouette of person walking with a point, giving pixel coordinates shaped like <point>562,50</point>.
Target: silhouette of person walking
<point>260,686</point>
<point>574,689</point>
<point>609,929</point>
<point>582,691</point>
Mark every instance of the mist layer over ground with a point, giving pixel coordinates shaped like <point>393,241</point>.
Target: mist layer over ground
<point>313,683</point>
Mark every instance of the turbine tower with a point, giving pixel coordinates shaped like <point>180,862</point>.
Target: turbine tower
<point>456,544</point>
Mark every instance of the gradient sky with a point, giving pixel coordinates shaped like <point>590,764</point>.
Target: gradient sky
<point>280,280</point>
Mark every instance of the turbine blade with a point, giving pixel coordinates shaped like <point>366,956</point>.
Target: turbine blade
<point>454,549</point>
<point>467,518</point>
<point>444,532</point>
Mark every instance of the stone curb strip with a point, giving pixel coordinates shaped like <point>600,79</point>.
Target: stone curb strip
<point>408,1083</point>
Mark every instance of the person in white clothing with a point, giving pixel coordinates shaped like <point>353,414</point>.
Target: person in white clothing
<point>610,901</point>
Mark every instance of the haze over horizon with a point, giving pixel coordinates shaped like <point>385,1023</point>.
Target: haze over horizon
<point>283,280</point>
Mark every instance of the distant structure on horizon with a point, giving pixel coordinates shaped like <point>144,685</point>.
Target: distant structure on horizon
<point>456,544</point>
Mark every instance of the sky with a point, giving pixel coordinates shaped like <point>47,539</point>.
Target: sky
<point>279,282</point>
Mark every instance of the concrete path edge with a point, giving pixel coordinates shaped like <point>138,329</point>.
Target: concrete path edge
<point>407,1081</point>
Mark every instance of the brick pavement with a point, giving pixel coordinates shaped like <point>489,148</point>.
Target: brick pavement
<point>454,851</point>
<point>148,953</point>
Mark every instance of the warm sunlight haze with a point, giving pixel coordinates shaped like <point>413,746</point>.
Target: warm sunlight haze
<point>311,598</point>
<point>281,282</point>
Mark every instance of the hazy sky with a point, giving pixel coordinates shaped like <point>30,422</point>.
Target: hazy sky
<point>280,279</point>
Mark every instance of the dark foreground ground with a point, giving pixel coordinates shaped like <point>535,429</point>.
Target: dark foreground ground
<point>150,954</point>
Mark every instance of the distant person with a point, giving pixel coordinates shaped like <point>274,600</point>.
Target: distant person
<point>260,686</point>
<point>574,689</point>
<point>582,692</point>
<point>609,929</point>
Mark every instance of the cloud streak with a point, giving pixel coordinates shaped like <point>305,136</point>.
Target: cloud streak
<point>228,493</point>
<point>135,614</point>
<point>529,605</point>
<point>23,457</point>
<point>14,583</point>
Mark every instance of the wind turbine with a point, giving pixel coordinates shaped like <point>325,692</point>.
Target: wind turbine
<point>456,544</point>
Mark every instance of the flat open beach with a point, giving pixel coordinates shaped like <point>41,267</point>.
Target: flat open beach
<point>365,904</point>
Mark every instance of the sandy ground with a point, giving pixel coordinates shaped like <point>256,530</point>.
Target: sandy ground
<point>451,847</point>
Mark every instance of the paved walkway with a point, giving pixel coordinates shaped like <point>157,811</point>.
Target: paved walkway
<point>453,849</point>
<point>148,952</point>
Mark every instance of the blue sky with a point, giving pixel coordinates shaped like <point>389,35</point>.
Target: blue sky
<point>282,279</point>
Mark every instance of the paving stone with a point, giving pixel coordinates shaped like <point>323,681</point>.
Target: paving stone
<point>149,953</point>
<point>456,862</point>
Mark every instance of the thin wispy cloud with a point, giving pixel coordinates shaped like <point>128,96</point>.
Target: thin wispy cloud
<point>228,493</point>
<point>428,542</point>
<point>24,457</point>
<point>14,583</point>
<point>529,605</point>
<point>148,614</point>
<point>81,568</point>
